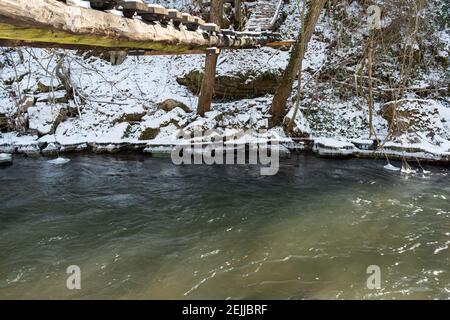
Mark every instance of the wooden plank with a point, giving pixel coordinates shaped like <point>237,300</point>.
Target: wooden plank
<point>162,17</point>
<point>210,27</point>
<point>155,17</point>
<point>198,20</point>
<point>187,18</point>
<point>102,4</point>
<point>228,32</point>
<point>134,5</point>
<point>189,22</point>
<point>157,9</point>
<point>160,53</point>
<point>129,9</point>
<point>175,16</point>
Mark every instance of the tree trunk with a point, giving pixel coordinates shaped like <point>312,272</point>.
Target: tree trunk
<point>303,49</point>
<point>209,77</point>
<point>237,15</point>
<point>370,94</point>
<point>278,108</point>
<point>216,13</point>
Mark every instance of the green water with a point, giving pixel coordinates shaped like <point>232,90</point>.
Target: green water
<point>140,227</point>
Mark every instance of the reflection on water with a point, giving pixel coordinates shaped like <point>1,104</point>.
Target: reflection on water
<point>143,228</point>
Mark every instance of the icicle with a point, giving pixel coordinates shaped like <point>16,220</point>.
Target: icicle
<point>406,168</point>
<point>423,170</point>
<point>390,167</point>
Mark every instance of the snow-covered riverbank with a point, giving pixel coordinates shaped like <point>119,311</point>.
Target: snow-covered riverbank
<point>140,105</point>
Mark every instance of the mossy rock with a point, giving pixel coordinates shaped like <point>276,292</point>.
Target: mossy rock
<point>411,115</point>
<point>149,134</point>
<point>132,117</point>
<point>43,88</point>
<point>3,123</point>
<point>170,104</point>
<point>235,86</point>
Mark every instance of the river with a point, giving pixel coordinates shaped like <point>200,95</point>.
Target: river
<point>141,227</point>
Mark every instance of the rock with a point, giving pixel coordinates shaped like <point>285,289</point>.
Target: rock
<point>51,149</point>
<point>25,103</point>
<point>132,117</point>
<point>7,148</point>
<point>170,104</point>
<point>52,97</point>
<point>412,115</point>
<point>3,122</point>
<point>43,119</point>
<point>59,161</point>
<point>365,144</point>
<point>149,133</point>
<point>5,159</point>
<point>29,150</point>
<point>250,84</point>
<point>48,87</point>
<point>329,147</point>
<point>74,147</point>
<point>105,148</point>
<point>152,125</point>
<point>130,114</point>
<point>159,151</point>
<point>116,147</point>
<point>300,127</point>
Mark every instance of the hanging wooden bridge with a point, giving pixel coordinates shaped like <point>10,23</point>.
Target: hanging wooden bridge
<point>132,25</point>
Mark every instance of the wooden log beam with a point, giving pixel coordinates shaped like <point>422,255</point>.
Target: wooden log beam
<point>165,53</point>
<point>54,23</point>
<point>131,52</point>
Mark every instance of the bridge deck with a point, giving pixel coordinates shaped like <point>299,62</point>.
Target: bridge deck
<point>264,15</point>
<point>136,26</point>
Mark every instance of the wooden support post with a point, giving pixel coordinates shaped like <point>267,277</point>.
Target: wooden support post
<point>209,77</point>
<point>237,15</point>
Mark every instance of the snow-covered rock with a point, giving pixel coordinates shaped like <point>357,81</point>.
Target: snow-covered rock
<point>333,147</point>
<point>59,161</point>
<point>43,118</point>
<point>5,159</point>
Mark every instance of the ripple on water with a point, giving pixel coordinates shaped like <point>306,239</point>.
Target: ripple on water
<point>143,228</point>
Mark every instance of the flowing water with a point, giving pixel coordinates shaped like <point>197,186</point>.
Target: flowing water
<point>141,227</point>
